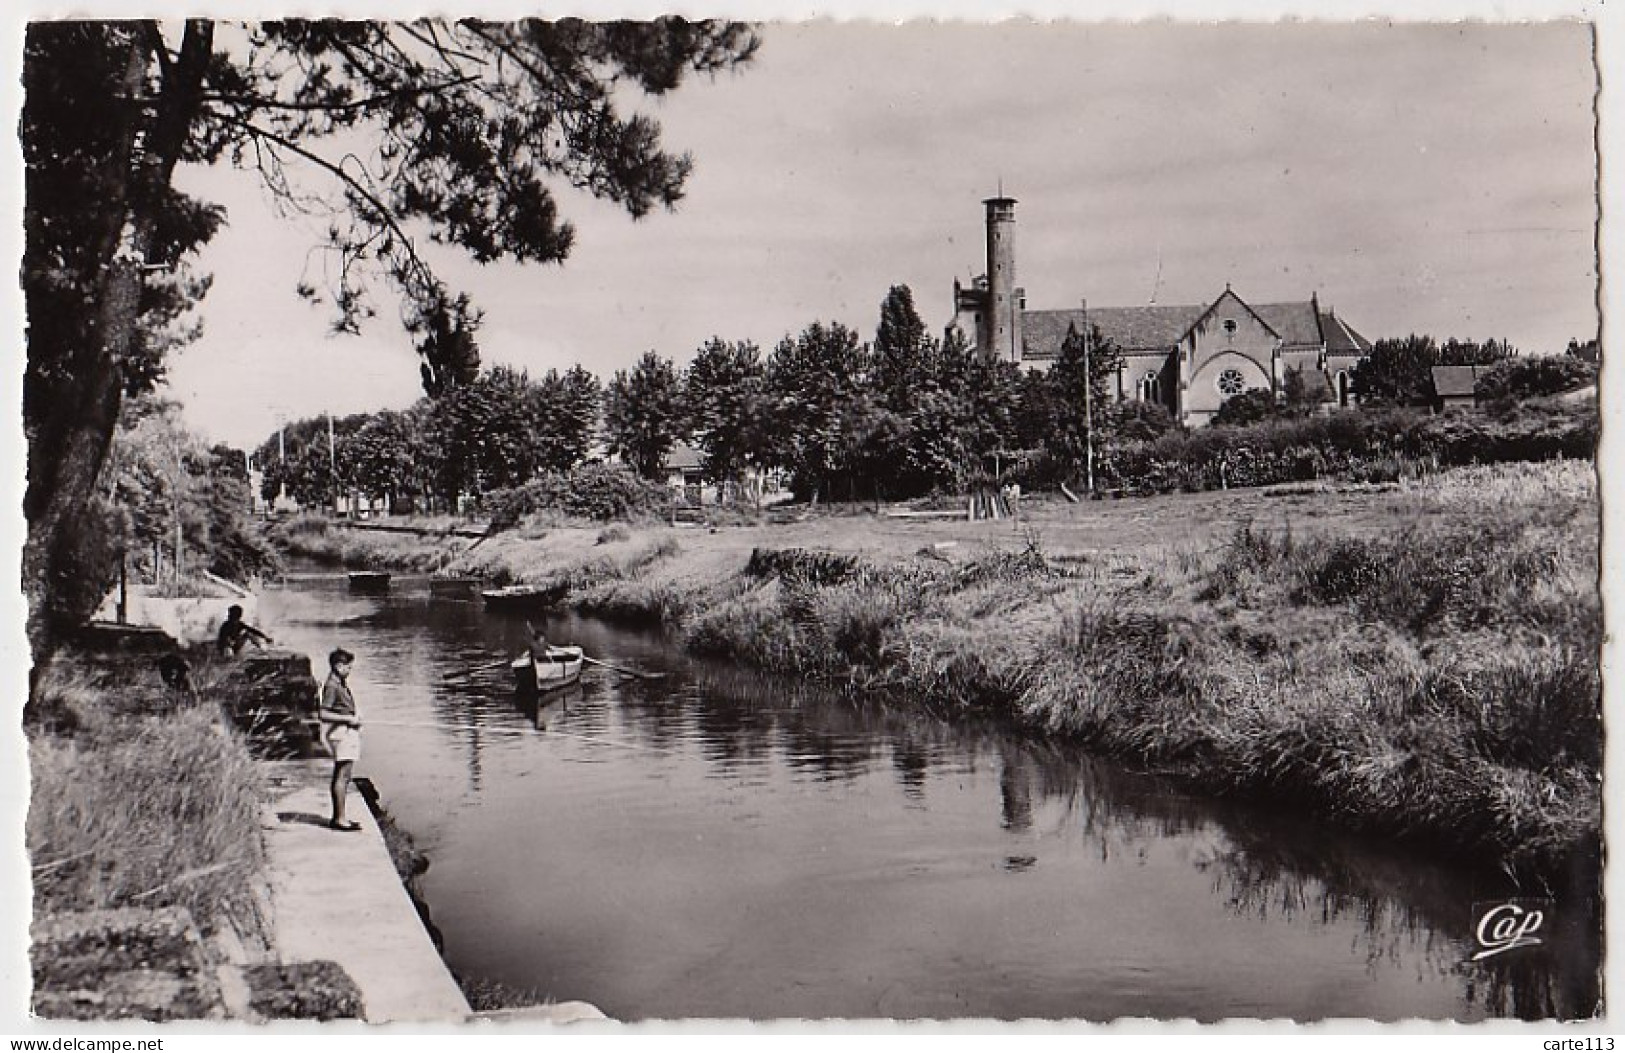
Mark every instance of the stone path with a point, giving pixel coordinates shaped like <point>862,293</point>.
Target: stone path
<point>336,897</point>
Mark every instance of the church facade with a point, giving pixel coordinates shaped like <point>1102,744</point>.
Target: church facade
<point>1187,358</point>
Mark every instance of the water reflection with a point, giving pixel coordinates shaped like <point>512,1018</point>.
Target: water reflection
<point>910,827</point>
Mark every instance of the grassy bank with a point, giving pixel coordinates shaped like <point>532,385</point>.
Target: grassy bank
<point>140,799</point>
<point>1419,660</point>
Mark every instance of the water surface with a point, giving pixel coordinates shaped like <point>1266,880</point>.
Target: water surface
<point>717,843</point>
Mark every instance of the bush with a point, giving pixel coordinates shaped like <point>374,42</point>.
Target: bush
<point>1248,407</point>
<point>802,565</point>
<point>601,492</point>
<point>1523,378</point>
<point>1365,445</point>
<point>1532,431</point>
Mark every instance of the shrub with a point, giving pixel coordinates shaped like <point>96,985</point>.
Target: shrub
<point>601,492</point>
<point>1523,378</point>
<point>1367,445</point>
<point>803,565</point>
<point>1532,431</point>
<point>1248,407</point>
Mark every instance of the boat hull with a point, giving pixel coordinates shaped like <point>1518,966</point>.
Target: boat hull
<point>561,669</point>
<point>368,581</point>
<point>524,597</point>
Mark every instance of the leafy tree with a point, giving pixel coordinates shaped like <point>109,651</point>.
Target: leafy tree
<point>393,455</point>
<point>1132,421</point>
<point>963,411</point>
<point>301,459</point>
<point>992,391</point>
<point>1455,352</point>
<point>177,506</point>
<point>483,431</point>
<point>904,351</point>
<point>643,414</point>
<point>236,548</point>
<point>149,474</point>
<point>1037,404</point>
<point>454,128</point>
<point>1247,407</point>
<point>811,380</point>
<point>565,410</point>
<point>1303,391</point>
<point>1396,372</point>
<point>724,393</point>
<point>867,436</point>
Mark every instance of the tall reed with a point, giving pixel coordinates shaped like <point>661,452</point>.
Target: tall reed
<point>147,812</point>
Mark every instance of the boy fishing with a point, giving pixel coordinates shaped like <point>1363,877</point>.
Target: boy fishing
<point>341,724</point>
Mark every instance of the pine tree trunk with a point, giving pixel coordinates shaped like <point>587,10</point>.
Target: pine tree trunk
<point>70,449</point>
<point>67,451</point>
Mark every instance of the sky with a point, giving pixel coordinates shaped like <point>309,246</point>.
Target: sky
<point>1436,178</point>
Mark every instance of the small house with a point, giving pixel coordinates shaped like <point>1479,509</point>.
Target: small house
<point>685,472</point>
<point>1455,387</point>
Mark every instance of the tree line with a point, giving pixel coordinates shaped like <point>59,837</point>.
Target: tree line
<point>904,414</point>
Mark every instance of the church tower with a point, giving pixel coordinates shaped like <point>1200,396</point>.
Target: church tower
<point>999,327</point>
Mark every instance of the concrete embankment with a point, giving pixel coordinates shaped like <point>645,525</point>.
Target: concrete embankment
<point>336,897</point>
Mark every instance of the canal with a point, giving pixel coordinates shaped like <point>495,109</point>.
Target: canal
<point>709,842</point>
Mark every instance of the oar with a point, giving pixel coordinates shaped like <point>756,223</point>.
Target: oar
<point>510,731</point>
<point>479,668</point>
<point>623,670</point>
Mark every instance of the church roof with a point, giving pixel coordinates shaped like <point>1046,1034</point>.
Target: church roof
<point>1451,381</point>
<point>1341,339</point>
<point>1295,323</point>
<point>1155,329</point>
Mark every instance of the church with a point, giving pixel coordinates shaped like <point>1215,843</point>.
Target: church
<point>1187,358</point>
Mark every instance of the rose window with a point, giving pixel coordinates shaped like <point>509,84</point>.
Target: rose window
<point>1231,382</point>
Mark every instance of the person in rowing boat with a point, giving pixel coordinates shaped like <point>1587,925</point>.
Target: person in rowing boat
<point>235,634</point>
<point>341,724</point>
<point>539,646</point>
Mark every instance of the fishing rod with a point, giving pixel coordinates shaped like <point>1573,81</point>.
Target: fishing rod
<point>443,726</point>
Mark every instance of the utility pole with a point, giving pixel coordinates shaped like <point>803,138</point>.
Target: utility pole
<point>1088,406</point>
<point>282,459</point>
<point>332,460</point>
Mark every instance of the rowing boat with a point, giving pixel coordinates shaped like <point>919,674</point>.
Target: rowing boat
<point>559,667</point>
<point>525,597</point>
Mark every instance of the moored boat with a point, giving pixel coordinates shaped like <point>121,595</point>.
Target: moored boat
<point>525,597</point>
<point>559,667</point>
<point>369,580</point>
